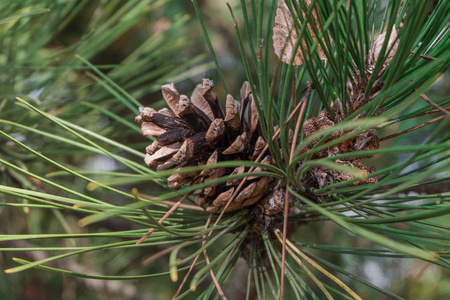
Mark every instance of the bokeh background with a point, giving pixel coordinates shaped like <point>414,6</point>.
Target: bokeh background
<point>140,49</point>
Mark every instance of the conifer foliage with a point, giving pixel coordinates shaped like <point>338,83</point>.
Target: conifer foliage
<point>337,123</point>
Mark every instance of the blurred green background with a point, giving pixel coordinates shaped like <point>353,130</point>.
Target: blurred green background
<point>140,45</point>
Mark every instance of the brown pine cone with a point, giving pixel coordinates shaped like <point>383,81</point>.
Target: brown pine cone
<point>196,131</point>
<point>357,87</point>
<point>318,177</point>
<point>321,176</point>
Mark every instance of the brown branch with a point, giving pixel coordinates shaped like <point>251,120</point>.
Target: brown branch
<point>424,56</point>
<point>172,203</point>
<point>427,113</point>
<point>286,202</point>
<point>168,213</point>
<point>185,206</point>
<point>161,253</point>
<point>411,129</point>
<point>429,101</point>
<point>232,15</point>
<point>429,189</point>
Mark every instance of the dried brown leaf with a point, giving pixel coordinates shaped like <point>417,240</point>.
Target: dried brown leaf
<point>285,34</point>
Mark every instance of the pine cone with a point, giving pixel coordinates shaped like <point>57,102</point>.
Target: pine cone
<point>322,176</point>
<point>357,87</point>
<point>196,131</point>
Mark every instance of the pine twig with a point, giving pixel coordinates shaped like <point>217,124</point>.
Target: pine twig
<point>161,253</point>
<point>430,189</point>
<point>429,101</point>
<point>302,104</point>
<point>163,218</point>
<point>412,128</point>
<point>317,266</point>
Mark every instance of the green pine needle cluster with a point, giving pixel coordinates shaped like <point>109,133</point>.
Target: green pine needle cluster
<point>64,116</point>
